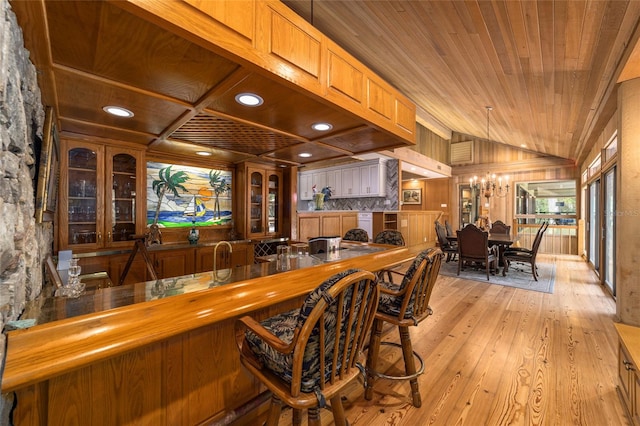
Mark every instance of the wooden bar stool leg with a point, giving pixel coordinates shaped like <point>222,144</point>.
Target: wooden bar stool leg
<point>314,416</point>
<point>338,411</point>
<point>409,364</point>
<point>297,417</point>
<point>372,357</point>
<point>274,411</point>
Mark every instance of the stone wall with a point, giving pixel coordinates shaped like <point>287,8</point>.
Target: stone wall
<point>23,243</point>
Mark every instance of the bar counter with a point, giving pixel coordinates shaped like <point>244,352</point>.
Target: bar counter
<point>158,352</point>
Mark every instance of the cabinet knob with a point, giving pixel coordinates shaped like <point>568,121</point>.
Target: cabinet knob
<point>628,365</point>
<point>109,236</point>
<point>99,237</point>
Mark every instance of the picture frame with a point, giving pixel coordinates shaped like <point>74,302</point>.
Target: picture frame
<point>412,196</point>
<point>47,171</point>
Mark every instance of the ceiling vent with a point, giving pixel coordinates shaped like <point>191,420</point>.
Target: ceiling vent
<point>462,153</point>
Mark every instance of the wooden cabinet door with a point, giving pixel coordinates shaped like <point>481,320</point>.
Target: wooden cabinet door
<point>255,201</point>
<point>81,207</point>
<point>273,203</point>
<point>137,272</point>
<point>349,221</point>
<point>308,227</point>
<point>242,255</point>
<point>174,263</point>
<point>124,209</point>
<point>331,225</point>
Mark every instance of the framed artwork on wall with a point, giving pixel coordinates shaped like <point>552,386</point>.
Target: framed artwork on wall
<point>47,170</point>
<point>182,196</point>
<point>412,196</point>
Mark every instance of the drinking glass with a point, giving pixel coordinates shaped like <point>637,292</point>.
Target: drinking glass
<point>283,258</point>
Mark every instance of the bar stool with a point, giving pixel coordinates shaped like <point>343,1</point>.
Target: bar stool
<point>356,234</point>
<point>404,305</point>
<point>389,236</point>
<point>308,355</point>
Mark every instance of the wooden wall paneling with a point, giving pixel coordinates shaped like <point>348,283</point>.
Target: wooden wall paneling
<point>432,145</point>
<point>173,383</point>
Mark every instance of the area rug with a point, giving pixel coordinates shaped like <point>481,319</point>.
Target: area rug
<point>519,276</point>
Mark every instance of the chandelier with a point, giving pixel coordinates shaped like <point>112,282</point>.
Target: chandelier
<point>491,185</point>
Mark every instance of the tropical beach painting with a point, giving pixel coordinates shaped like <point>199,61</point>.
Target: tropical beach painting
<point>181,196</point>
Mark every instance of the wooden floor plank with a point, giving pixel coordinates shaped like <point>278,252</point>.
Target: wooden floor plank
<point>502,356</point>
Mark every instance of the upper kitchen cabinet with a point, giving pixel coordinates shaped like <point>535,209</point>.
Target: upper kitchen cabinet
<point>99,202</point>
<point>353,180</point>
<point>261,189</point>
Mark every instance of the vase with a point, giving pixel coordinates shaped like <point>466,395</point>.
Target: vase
<point>319,200</point>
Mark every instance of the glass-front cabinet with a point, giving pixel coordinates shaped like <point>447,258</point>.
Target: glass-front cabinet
<point>98,189</point>
<point>264,202</point>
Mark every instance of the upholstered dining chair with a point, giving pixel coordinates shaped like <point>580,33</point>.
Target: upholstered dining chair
<point>306,356</point>
<point>499,227</point>
<point>389,236</point>
<point>356,234</point>
<point>449,229</point>
<point>524,255</point>
<point>473,246</point>
<point>404,305</point>
<point>448,247</point>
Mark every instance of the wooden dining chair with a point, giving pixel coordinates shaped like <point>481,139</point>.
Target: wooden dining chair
<point>404,305</point>
<point>448,247</point>
<point>524,255</point>
<point>473,246</point>
<point>499,227</point>
<point>306,356</point>
<point>449,229</point>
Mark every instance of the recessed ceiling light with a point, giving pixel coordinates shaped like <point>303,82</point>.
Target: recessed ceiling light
<point>304,155</point>
<point>249,99</point>
<point>203,153</point>
<point>321,127</point>
<point>117,111</point>
<point>523,145</point>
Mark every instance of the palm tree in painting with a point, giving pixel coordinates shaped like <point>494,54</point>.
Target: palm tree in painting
<point>220,186</point>
<point>168,182</point>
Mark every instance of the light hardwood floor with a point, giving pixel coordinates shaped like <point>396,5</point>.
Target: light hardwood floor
<point>497,355</point>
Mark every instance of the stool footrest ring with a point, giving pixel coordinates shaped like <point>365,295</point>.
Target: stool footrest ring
<point>406,377</point>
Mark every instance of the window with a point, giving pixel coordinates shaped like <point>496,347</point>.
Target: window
<point>554,201</point>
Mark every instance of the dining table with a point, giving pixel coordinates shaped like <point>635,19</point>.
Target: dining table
<point>503,241</point>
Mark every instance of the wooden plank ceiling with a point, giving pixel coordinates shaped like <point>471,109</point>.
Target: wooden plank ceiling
<point>93,53</point>
<point>548,68</point>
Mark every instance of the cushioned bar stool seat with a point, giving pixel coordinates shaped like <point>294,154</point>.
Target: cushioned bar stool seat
<point>356,234</point>
<point>307,356</point>
<point>404,305</point>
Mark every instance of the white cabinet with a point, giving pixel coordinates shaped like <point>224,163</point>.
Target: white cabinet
<point>350,182</point>
<point>334,181</point>
<point>373,180</point>
<point>362,179</point>
<point>305,186</point>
